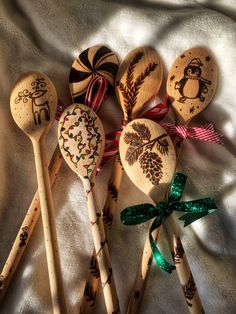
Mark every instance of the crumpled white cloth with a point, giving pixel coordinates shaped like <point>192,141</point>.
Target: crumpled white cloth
<point>47,36</point>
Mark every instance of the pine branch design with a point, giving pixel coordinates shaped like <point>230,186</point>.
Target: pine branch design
<point>189,290</point>
<point>89,294</point>
<point>130,73</point>
<point>113,190</point>
<point>131,90</point>
<point>94,270</point>
<point>107,217</point>
<point>178,252</point>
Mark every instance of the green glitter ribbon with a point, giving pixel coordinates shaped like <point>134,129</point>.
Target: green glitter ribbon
<point>194,210</point>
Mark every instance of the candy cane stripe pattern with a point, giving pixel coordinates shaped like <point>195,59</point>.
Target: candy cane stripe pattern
<point>94,61</point>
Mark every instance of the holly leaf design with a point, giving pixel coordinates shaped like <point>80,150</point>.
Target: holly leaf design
<point>142,130</point>
<point>132,154</point>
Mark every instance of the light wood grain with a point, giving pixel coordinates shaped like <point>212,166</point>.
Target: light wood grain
<point>148,157</point>
<point>33,106</point>
<point>138,79</point>
<point>153,175</point>
<point>191,83</point>
<point>82,139</point>
<point>26,229</point>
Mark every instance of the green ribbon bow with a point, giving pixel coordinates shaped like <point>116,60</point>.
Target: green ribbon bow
<point>194,210</point>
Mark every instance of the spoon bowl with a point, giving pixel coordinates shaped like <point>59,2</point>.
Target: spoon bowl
<point>33,104</point>
<point>138,79</point>
<point>191,83</point>
<point>81,139</point>
<point>148,157</point>
<point>96,60</point>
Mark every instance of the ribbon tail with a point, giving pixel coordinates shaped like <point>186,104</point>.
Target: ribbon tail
<point>189,218</point>
<point>137,214</point>
<point>159,258</point>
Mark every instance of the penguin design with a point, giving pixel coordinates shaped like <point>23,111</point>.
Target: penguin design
<point>192,85</point>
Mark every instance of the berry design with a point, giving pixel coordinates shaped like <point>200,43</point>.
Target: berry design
<point>23,236</point>
<point>140,150</point>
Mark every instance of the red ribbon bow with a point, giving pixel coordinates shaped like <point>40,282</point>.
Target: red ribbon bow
<point>204,133</point>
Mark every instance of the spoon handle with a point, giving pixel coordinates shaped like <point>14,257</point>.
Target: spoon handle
<point>142,274</point>
<point>109,209</point>
<point>184,273</point>
<point>101,248</point>
<point>26,229</point>
<point>49,228</point>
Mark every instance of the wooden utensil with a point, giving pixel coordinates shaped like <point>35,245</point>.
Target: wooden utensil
<point>140,77</point>
<point>96,60</point>
<point>191,85</point>
<point>27,227</point>
<point>148,157</point>
<point>82,139</point>
<point>33,106</point>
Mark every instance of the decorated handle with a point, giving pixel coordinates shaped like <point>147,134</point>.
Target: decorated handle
<point>101,248</point>
<point>26,229</point>
<point>183,270</point>
<point>49,228</point>
<point>142,275</point>
<point>92,282</point>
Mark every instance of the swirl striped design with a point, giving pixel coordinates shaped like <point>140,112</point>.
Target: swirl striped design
<point>96,60</point>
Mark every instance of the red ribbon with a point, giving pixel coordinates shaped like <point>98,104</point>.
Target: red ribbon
<point>60,108</point>
<point>204,133</point>
<point>96,92</point>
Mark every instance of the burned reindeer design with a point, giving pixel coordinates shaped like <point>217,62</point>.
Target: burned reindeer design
<point>40,108</point>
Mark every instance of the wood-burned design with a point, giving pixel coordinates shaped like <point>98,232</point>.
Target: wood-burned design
<point>192,85</point>
<point>107,217</point>
<point>90,294</point>
<point>1,282</point>
<point>112,189</point>
<point>94,270</point>
<point>23,236</point>
<point>178,252</point>
<point>86,148</point>
<point>131,88</point>
<point>108,281</point>
<point>97,60</point>
<point>189,290</point>
<point>40,108</point>
<point>140,149</point>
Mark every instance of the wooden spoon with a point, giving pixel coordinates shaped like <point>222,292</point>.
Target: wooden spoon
<point>191,85</point>
<point>82,139</point>
<point>139,63</point>
<point>139,77</point>
<point>96,60</point>
<point>33,106</point>
<point>148,157</point>
<point>29,222</point>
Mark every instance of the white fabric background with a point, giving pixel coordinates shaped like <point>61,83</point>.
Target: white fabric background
<point>47,36</point>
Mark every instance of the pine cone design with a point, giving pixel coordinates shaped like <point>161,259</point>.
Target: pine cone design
<point>151,164</point>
